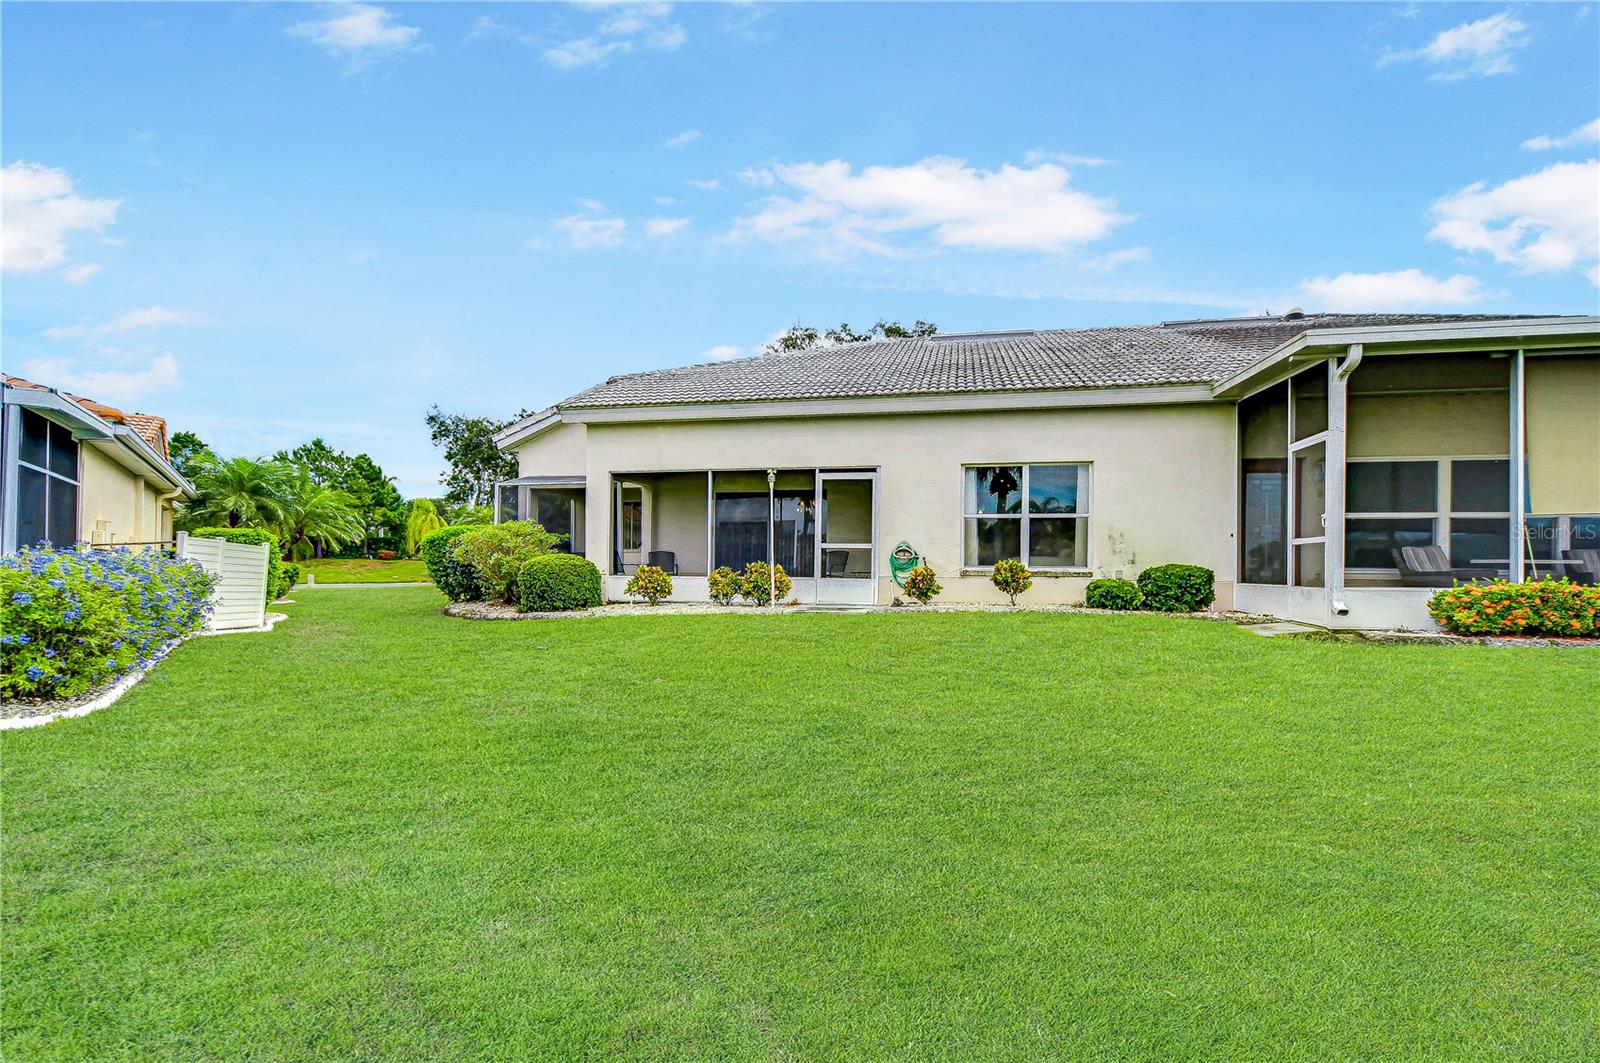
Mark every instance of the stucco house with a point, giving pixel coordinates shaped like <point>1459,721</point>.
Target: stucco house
<point>1094,452</point>
<point>76,470</point>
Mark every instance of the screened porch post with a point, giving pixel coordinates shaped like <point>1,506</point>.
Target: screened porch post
<point>1519,469</point>
<point>1334,485</point>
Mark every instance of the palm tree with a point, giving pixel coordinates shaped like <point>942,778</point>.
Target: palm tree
<point>314,515</point>
<point>423,520</point>
<point>237,492</point>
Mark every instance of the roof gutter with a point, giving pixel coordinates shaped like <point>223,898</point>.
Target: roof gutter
<point>519,432</point>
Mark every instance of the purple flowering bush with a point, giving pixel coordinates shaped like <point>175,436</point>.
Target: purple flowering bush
<point>72,621</point>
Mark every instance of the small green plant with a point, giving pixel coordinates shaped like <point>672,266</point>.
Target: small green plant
<point>921,584</point>
<point>497,553</point>
<point>1541,607</point>
<point>455,578</point>
<point>71,621</point>
<point>1113,594</point>
<point>650,583</point>
<point>1011,577</point>
<point>724,585</point>
<point>1178,588</point>
<point>759,583</point>
<point>291,576</point>
<point>276,586</point>
<point>556,583</point>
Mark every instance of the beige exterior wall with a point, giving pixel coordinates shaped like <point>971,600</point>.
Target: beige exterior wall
<point>117,506</point>
<point>557,452</point>
<point>1162,488</point>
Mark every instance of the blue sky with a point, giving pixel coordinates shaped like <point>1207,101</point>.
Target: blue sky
<point>268,222</point>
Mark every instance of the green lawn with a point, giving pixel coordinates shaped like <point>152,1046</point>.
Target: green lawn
<point>381,832</point>
<point>363,570</point>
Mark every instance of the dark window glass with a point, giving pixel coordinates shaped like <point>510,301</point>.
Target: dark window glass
<point>1367,540</point>
<point>994,489</point>
<point>1058,542</point>
<point>1053,488</point>
<point>63,452</point>
<point>34,445</point>
<point>1586,533</point>
<point>63,513</point>
<point>1311,402</point>
<point>1480,486</point>
<point>741,529</point>
<point>1263,484</point>
<point>794,533</point>
<point>31,526</point>
<point>1543,534</point>
<point>1392,487</point>
<point>990,539</point>
<point>554,514</point>
<point>1477,540</point>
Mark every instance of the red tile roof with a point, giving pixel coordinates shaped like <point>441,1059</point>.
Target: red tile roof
<point>148,425</point>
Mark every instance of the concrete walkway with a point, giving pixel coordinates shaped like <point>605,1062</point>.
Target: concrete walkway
<point>343,586</point>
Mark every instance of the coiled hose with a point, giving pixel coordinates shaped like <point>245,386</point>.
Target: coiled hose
<point>902,559</point>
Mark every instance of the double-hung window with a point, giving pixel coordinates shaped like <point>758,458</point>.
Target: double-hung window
<point>47,482</point>
<point>1039,513</point>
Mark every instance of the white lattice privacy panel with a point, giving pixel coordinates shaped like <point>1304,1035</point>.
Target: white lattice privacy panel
<point>240,599</point>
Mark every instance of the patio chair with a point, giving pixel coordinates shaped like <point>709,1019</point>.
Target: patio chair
<point>665,560</point>
<point>1587,573</point>
<point>1428,566</point>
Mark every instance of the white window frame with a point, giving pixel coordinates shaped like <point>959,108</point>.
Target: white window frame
<point>1442,516</point>
<point>1085,512</point>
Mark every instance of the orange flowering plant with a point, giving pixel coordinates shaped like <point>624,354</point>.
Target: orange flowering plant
<point>1542,607</point>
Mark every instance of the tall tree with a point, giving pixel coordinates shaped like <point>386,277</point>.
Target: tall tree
<point>804,337</point>
<point>422,521</point>
<point>187,452</point>
<point>313,517</point>
<point>240,492</point>
<point>475,462</point>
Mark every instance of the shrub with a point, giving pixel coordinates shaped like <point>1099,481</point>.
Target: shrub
<point>1542,607</point>
<point>724,584</point>
<point>758,583</point>
<point>497,553</point>
<point>1113,594</point>
<point>387,555</point>
<point>455,578</point>
<point>73,621</point>
<point>1178,588</point>
<point>650,583</point>
<point>276,587</point>
<point>291,576</point>
<point>556,583</point>
<point>921,584</point>
<point>1012,577</point>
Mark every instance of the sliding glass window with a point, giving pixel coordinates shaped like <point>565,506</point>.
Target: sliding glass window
<point>1039,513</point>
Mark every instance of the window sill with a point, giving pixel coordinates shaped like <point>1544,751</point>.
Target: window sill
<point>1041,573</point>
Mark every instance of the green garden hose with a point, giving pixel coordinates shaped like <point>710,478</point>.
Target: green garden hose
<point>902,559</point>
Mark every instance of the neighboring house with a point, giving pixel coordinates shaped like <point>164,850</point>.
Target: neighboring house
<point>1098,452</point>
<point>76,470</point>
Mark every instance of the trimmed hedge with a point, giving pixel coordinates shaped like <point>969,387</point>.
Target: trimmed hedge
<point>557,583</point>
<point>455,578</point>
<point>1542,607</point>
<point>1113,594</point>
<point>291,576</point>
<point>724,585</point>
<point>276,587</point>
<point>652,584</point>
<point>1178,588</point>
<point>758,583</point>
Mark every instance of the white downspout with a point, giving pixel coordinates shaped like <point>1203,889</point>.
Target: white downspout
<point>1337,452</point>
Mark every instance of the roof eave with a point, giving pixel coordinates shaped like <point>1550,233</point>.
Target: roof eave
<point>519,432</point>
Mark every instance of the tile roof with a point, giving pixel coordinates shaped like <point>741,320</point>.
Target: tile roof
<point>1173,352</point>
<point>152,428</point>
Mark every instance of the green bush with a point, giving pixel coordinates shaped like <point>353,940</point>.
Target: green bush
<point>1541,607</point>
<point>758,583</point>
<point>455,578</point>
<point>72,621</point>
<point>291,576</point>
<point>921,584</point>
<point>724,585</point>
<point>276,588</point>
<point>1113,594</point>
<point>1178,588</point>
<point>1011,577</point>
<point>556,583</point>
<point>650,583</point>
<point>497,553</point>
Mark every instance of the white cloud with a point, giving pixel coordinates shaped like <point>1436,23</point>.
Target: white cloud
<point>724,351</point>
<point>683,139</point>
<point>1588,133</point>
<point>359,33</point>
<point>1039,155</point>
<point>146,318</point>
<point>595,227</point>
<point>664,226</point>
<point>1108,262</point>
<point>1473,49</point>
<point>743,20</point>
<point>940,200</point>
<point>1407,289</point>
<point>39,209</point>
<point>117,387</point>
<point>663,201</point>
<point>706,184</point>
<point>622,27</point>
<point>1544,222</point>
<point>81,272</point>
